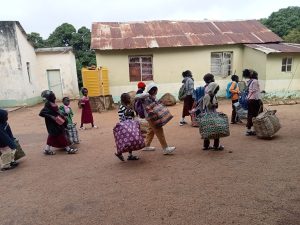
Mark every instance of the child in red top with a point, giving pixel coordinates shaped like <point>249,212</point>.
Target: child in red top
<point>86,115</point>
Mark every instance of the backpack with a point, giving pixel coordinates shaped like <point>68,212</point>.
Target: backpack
<point>182,93</point>
<point>198,93</point>
<point>243,99</point>
<point>139,108</point>
<point>228,92</point>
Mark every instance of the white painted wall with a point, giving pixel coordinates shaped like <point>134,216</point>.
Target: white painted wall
<point>11,76</point>
<point>30,89</point>
<point>63,61</point>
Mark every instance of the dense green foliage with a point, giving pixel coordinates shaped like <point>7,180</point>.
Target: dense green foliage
<point>66,35</point>
<point>285,23</point>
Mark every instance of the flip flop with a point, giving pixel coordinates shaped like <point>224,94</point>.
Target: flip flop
<point>133,157</point>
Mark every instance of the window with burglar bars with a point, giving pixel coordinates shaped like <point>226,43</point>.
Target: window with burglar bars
<point>221,63</point>
<point>140,68</point>
<point>287,64</point>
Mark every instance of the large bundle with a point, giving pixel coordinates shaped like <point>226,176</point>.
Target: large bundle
<point>266,124</point>
<point>240,111</point>
<point>128,136</point>
<point>168,99</point>
<point>213,125</point>
<point>158,114</point>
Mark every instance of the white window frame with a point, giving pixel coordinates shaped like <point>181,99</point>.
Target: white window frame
<point>143,66</point>
<point>221,64</point>
<point>285,65</point>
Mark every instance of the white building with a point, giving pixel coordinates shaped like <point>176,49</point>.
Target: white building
<point>25,72</point>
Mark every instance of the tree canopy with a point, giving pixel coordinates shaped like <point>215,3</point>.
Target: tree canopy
<point>283,22</point>
<point>66,35</point>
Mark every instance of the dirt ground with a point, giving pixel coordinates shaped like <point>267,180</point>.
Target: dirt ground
<point>258,183</point>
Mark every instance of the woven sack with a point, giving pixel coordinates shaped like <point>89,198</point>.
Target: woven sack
<point>144,126</point>
<point>128,136</point>
<point>266,124</point>
<point>213,125</point>
<point>158,114</point>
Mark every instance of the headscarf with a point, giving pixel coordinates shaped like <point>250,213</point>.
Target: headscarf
<point>47,94</point>
<point>208,100</point>
<point>150,86</point>
<point>141,84</point>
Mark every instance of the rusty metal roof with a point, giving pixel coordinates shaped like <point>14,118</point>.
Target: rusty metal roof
<point>157,34</point>
<point>276,47</point>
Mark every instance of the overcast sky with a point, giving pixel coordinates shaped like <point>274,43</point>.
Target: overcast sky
<point>43,16</point>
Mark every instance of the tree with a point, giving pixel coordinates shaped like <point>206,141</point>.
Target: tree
<point>36,40</point>
<point>66,35</point>
<point>284,20</point>
<point>293,36</point>
<point>62,36</point>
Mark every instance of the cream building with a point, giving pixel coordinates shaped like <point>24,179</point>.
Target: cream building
<point>160,51</point>
<point>25,72</point>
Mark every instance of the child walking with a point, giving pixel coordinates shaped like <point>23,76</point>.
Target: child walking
<point>55,123</point>
<point>66,110</point>
<point>235,91</point>
<point>125,113</point>
<point>86,114</point>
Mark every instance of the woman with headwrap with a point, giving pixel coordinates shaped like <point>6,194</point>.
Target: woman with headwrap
<point>86,114</point>
<point>210,104</point>
<point>7,143</point>
<point>56,124</point>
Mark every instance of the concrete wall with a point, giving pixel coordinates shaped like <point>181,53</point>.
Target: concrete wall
<point>11,76</point>
<point>63,61</point>
<point>257,60</point>
<point>168,64</point>
<point>283,82</point>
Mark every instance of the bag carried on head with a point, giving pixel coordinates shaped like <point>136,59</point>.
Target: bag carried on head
<point>213,125</point>
<point>128,136</point>
<point>182,93</point>
<point>158,114</point>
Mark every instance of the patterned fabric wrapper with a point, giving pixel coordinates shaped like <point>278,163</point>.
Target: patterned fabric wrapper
<point>194,119</point>
<point>19,151</point>
<point>266,124</point>
<point>158,114</point>
<point>128,136</point>
<point>213,125</point>
<point>72,133</point>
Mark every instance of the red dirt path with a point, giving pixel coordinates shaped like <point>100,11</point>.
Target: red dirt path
<point>258,183</point>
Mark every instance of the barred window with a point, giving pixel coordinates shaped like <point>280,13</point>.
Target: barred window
<point>287,64</point>
<point>140,68</point>
<point>221,63</point>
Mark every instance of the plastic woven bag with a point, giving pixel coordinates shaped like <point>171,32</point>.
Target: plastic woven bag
<point>266,124</point>
<point>213,125</point>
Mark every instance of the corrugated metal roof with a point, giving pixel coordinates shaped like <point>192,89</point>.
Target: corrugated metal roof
<point>276,47</point>
<point>156,34</point>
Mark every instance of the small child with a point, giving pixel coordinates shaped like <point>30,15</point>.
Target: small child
<point>68,113</point>
<point>126,113</point>
<point>86,114</point>
<point>7,143</point>
<point>235,91</point>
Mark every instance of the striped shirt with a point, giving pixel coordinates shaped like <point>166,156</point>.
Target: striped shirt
<point>125,113</point>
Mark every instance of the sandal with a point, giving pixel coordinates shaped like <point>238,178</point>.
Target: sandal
<point>120,156</point>
<point>220,148</point>
<point>207,148</point>
<point>133,157</point>
<point>72,151</point>
<point>49,152</point>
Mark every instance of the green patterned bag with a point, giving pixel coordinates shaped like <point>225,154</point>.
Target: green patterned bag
<point>213,125</point>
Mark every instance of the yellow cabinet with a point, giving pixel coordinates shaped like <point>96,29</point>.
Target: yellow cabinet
<point>96,81</point>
